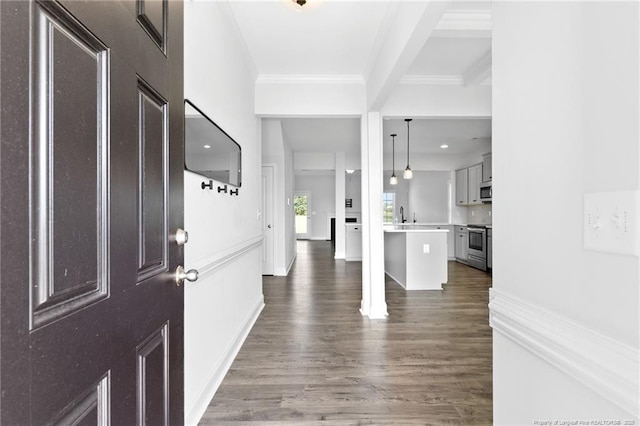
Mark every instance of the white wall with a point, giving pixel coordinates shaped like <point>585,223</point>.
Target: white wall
<point>427,100</point>
<point>309,98</point>
<point>441,162</point>
<point>314,160</point>
<point>430,196</point>
<point>323,205</point>
<point>565,123</point>
<point>289,213</point>
<point>277,151</point>
<point>221,306</point>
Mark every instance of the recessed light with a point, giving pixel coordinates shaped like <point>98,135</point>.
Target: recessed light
<point>444,146</point>
<point>207,146</point>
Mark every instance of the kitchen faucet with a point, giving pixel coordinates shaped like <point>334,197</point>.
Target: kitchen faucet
<point>402,215</point>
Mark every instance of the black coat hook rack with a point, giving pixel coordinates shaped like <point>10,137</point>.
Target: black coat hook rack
<point>207,185</point>
<point>222,189</point>
<point>235,192</point>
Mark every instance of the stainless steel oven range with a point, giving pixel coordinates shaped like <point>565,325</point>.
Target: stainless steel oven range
<point>477,246</point>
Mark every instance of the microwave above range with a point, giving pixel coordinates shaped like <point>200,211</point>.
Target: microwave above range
<point>485,192</point>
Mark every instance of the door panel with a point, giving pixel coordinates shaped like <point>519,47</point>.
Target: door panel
<point>153,376</point>
<point>152,182</point>
<point>152,16</point>
<point>70,157</point>
<point>91,408</point>
<point>91,132</point>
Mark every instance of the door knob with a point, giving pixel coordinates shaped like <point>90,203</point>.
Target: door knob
<point>182,237</point>
<point>191,275</point>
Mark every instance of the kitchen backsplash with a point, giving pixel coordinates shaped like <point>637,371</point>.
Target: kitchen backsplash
<point>480,214</point>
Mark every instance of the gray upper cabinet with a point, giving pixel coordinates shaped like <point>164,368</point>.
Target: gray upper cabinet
<point>462,191</point>
<point>468,185</point>
<point>475,178</point>
<point>486,168</point>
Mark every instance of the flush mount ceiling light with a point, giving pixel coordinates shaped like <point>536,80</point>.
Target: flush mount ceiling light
<point>207,146</point>
<point>394,179</point>
<point>444,146</point>
<point>408,173</point>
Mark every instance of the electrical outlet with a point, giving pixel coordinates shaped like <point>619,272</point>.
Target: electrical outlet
<point>611,222</point>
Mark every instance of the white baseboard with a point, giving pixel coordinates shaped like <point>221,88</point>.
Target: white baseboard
<point>606,366</point>
<point>396,280</point>
<point>193,416</point>
<point>283,272</point>
<point>293,259</point>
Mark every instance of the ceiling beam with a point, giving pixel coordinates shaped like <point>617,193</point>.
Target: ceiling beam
<point>464,24</point>
<point>479,71</point>
<point>409,29</point>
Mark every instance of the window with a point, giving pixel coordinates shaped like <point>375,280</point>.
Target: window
<point>388,206</point>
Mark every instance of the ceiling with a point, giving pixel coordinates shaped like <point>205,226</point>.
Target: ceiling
<point>340,38</point>
<point>462,135</point>
<point>321,38</point>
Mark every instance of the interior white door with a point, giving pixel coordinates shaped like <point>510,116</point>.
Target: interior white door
<point>302,207</point>
<point>267,220</point>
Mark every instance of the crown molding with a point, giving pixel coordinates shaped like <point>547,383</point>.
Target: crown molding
<point>446,80</point>
<point>606,366</point>
<point>479,71</point>
<point>310,79</point>
<point>465,23</point>
<point>466,20</point>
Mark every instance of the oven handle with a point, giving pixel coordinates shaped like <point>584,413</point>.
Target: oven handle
<point>476,230</point>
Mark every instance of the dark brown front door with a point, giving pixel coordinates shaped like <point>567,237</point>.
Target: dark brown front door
<point>91,130</point>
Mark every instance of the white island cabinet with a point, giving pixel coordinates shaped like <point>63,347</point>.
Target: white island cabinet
<point>353,243</point>
<point>416,257</point>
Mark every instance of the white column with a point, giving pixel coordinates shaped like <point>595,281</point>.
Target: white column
<point>373,297</point>
<point>365,303</point>
<point>340,207</point>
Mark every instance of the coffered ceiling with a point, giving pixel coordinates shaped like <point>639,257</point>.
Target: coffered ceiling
<point>341,39</point>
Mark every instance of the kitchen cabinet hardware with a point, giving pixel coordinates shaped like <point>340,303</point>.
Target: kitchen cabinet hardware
<point>234,192</point>
<point>222,189</point>
<point>207,185</point>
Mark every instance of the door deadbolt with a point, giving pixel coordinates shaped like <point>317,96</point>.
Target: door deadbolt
<point>181,237</point>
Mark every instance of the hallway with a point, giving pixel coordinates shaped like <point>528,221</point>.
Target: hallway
<point>311,357</point>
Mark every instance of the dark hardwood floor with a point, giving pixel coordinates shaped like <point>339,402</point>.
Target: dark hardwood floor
<point>312,359</point>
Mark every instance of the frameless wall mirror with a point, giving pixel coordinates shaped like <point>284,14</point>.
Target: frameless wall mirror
<point>209,151</point>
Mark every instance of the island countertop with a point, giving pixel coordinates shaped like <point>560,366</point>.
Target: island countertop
<point>413,228</point>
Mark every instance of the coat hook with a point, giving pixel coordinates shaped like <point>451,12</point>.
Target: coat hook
<point>207,185</point>
<point>222,189</point>
<point>236,192</point>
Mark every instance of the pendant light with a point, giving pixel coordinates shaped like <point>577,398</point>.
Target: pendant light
<point>394,179</point>
<point>408,173</point>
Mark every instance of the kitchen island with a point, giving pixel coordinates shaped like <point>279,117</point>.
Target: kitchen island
<point>415,256</point>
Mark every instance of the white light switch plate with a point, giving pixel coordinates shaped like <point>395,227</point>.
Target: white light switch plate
<point>611,222</point>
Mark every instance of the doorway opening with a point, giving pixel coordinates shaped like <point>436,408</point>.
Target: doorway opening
<point>301,205</point>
